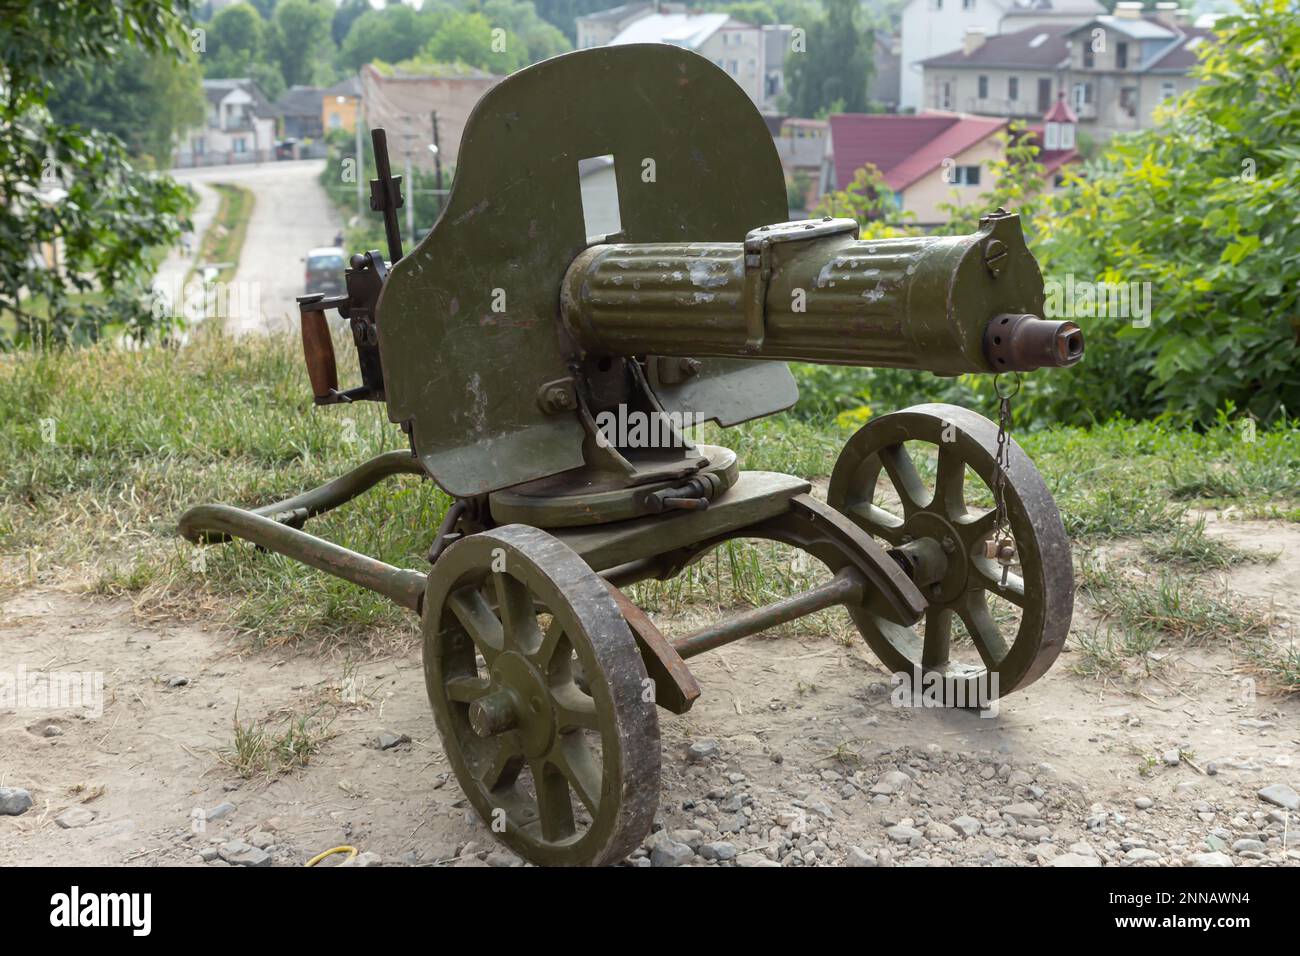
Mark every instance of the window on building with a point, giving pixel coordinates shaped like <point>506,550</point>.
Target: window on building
<point>1121,56</point>
<point>984,87</point>
<point>945,96</point>
<point>968,4</point>
<point>1128,101</point>
<point>965,175</point>
<point>336,121</point>
<point>1044,94</point>
<point>1013,88</point>
<point>733,67</point>
<point>1088,61</point>
<point>1082,95</point>
<point>1168,90</point>
<point>239,145</point>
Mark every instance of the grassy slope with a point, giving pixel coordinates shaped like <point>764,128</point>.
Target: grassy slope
<point>138,437</point>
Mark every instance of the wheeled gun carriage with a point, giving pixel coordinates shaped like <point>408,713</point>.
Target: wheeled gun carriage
<point>508,334</point>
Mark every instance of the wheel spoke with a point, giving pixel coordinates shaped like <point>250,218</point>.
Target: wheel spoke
<point>506,763</point>
<point>904,477</point>
<point>989,574</point>
<point>518,613</point>
<point>574,710</point>
<point>984,632</point>
<point>474,614</point>
<point>938,636</point>
<point>876,521</point>
<point>554,807</point>
<point>976,529</point>
<point>574,760</point>
<point>466,690</point>
<point>949,483</point>
<point>552,639</point>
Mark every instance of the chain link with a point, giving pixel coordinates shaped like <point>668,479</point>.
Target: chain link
<point>1000,537</point>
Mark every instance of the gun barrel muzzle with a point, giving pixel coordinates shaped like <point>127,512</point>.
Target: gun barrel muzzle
<point>1022,343</point>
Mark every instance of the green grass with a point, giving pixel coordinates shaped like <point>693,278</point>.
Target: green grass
<point>103,450</point>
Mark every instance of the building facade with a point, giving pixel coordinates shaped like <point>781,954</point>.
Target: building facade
<point>930,28</point>
<point>239,127</point>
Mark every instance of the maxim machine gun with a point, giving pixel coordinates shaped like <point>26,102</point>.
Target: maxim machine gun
<point>512,347</point>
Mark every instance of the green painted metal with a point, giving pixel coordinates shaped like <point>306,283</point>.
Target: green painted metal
<point>216,523</point>
<point>919,303</point>
<point>553,738</point>
<point>958,580</point>
<point>467,320</point>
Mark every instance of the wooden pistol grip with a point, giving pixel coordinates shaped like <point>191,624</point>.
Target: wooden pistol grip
<point>318,348</point>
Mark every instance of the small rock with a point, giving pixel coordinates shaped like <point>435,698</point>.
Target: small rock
<point>755,859</point>
<point>503,858</point>
<point>702,751</point>
<point>52,730</point>
<point>1279,794</point>
<point>1022,811</point>
<point>967,826</point>
<point>940,833</point>
<point>208,854</point>
<point>74,817</point>
<point>221,810</point>
<point>1171,758</point>
<point>239,853</point>
<point>891,783</point>
<point>388,740</point>
<point>859,857</point>
<point>1211,859</point>
<point>1248,846</point>
<point>361,859</point>
<point>669,853</point>
<point>1144,803</point>
<point>1140,854</point>
<point>177,681</point>
<point>902,834</point>
<point>719,852</point>
<point>14,800</point>
<point>261,839</point>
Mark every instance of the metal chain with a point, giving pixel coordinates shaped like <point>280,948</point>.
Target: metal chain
<point>1000,537</point>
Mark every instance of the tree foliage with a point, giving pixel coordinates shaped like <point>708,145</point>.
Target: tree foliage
<point>76,218</point>
<point>833,70</point>
<point>1207,209</point>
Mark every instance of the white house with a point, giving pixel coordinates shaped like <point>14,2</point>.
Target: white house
<point>239,128</point>
<point>934,27</point>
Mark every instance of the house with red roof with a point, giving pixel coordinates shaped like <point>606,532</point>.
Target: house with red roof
<point>938,159</point>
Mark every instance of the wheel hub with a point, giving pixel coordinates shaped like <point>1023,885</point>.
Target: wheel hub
<point>531,706</point>
<point>949,567</point>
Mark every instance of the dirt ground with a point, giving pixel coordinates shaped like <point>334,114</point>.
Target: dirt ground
<point>813,763</point>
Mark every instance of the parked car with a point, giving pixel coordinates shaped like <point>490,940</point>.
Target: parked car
<point>325,269</point>
<point>286,149</point>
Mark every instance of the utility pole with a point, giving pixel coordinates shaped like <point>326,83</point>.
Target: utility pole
<point>407,136</point>
<point>437,161</point>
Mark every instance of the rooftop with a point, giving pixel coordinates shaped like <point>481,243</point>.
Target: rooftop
<point>1040,47</point>
<point>903,148</point>
<point>689,30</point>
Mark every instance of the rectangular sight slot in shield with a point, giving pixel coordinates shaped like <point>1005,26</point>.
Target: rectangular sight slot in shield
<point>599,186</point>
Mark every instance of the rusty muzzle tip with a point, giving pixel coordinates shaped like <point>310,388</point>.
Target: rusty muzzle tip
<point>1022,343</point>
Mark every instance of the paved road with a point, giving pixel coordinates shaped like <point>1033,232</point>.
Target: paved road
<point>291,214</point>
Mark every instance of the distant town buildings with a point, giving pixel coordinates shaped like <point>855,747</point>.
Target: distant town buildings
<point>931,28</point>
<point>1115,68</point>
<point>404,103</point>
<point>753,55</point>
<point>240,126</point>
<point>935,159</point>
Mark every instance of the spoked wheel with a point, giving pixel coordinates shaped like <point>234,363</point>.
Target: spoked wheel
<point>566,775</point>
<point>939,528</point>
